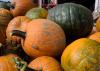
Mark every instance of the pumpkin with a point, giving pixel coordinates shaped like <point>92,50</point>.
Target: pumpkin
<point>11,62</point>
<point>18,23</point>
<point>20,7</point>
<point>4,5</point>
<point>81,55</point>
<point>5,17</point>
<point>43,37</point>
<point>95,36</point>
<point>36,13</point>
<point>76,20</point>
<point>98,24</point>
<point>45,63</point>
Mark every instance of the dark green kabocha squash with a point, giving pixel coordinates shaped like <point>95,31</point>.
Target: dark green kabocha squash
<point>75,19</point>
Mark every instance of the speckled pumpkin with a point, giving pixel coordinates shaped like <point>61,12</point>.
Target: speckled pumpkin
<point>45,63</point>
<point>81,55</point>
<point>95,36</point>
<point>18,23</point>
<point>43,37</point>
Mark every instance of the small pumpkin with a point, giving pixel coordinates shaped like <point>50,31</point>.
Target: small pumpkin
<point>36,13</point>
<point>98,24</point>
<point>76,20</point>
<point>45,63</point>
<point>81,55</point>
<point>5,17</point>
<point>20,7</point>
<point>43,37</point>
<point>95,36</point>
<point>18,23</point>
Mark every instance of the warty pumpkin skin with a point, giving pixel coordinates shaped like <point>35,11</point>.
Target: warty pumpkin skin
<point>95,36</point>
<point>98,24</point>
<point>43,37</point>
<point>45,63</point>
<point>36,13</point>
<point>18,23</point>
<point>20,7</point>
<point>75,19</point>
<point>81,55</point>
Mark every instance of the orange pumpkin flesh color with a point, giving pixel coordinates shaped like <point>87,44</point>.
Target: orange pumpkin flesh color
<point>98,24</point>
<point>81,55</point>
<point>95,36</point>
<point>21,7</point>
<point>45,63</point>
<point>18,23</point>
<point>43,37</point>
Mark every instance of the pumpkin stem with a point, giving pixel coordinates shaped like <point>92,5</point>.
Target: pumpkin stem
<point>18,33</point>
<point>10,5</point>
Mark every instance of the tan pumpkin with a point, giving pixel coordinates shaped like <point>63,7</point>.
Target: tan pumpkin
<point>5,17</point>
<point>20,7</point>
<point>95,36</point>
<point>81,55</point>
<point>45,63</point>
<point>43,37</point>
<point>98,24</point>
<point>18,23</point>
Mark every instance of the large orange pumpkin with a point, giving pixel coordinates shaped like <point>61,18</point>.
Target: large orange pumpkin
<point>98,24</point>
<point>5,17</point>
<point>18,23</point>
<point>43,37</point>
<point>81,55</point>
<point>20,7</point>
<point>45,63</point>
<point>95,36</point>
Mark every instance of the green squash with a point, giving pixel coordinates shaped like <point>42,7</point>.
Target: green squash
<point>81,55</point>
<point>36,13</point>
<point>76,20</point>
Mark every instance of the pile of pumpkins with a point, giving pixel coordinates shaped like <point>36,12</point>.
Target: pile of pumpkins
<point>62,38</point>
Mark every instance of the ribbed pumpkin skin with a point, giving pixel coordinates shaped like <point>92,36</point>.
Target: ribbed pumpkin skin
<point>95,36</point>
<point>44,37</point>
<point>81,55</point>
<point>36,13</point>
<point>45,63</point>
<point>98,24</point>
<point>18,23</point>
<point>21,7</point>
<point>5,17</point>
<point>7,64</point>
<point>76,20</point>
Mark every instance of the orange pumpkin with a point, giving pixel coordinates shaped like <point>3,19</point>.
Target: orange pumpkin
<point>43,37</point>
<point>81,55</point>
<point>5,17</point>
<point>18,23</point>
<point>45,63</point>
<point>95,36</point>
<point>20,7</point>
<point>98,24</point>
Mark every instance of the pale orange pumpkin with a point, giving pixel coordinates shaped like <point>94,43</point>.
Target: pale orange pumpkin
<point>18,23</point>
<point>20,7</point>
<point>45,63</point>
<point>43,37</point>
<point>95,36</point>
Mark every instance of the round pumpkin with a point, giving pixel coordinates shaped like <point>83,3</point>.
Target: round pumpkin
<point>76,20</point>
<point>98,24</point>
<point>81,55</point>
<point>5,17</point>
<point>36,13</point>
<point>95,36</point>
<point>18,23</point>
<point>20,7</point>
<point>43,37</point>
<point>45,63</point>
